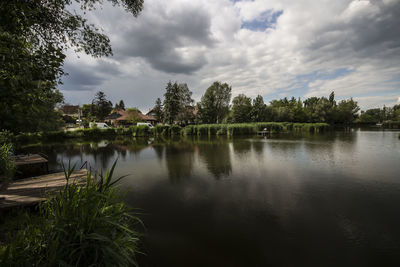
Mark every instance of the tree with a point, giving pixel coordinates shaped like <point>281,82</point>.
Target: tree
<point>241,108</point>
<point>103,106</point>
<point>178,103</point>
<point>158,110</point>
<point>258,111</point>
<point>34,36</point>
<point>185,114</point>
<point>172,102</point>
<point>347,111</point>
<point>214,105</point>
<point>310,105</point>
<point>120,105</point>
<point>323,110</point>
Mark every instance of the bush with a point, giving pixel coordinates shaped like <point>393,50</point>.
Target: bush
<point>391,124</point>
<point>142,130</point>
<point>161,130</point>
<point>175,130</point>
<point>7,166</point>
<point>188,130</point>
<point>84,225</point>
<point>6,137</point>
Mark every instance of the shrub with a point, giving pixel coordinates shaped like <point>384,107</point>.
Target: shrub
<point>175,130</point>
<point>142,130</point>
<point>202,130</point>
<point>7,166</point>
<point>222,130</point>
<point>6,137</point>
<point>84,225</point>
<point>188,130</point>
<point>391,124</point>
<point>161,130</point>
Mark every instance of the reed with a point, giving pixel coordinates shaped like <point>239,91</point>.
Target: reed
<point>83,225</point>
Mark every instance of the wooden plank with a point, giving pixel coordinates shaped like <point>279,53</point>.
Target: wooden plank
<point>33,190</point>
<point>29,159</point>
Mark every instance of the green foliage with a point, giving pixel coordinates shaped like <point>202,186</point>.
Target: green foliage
<point>188,130</point>
<point>214,105</point>
<point>258,111</point>
<point>160,130</point>
<point>391,124</point>
<point>6,136</point>
<point>7,167</point>
<point>347,111</point>
<point>141,130</point>
<point>120,105</point>
<point>34,36</point>
<point>241,109</point>
<point>83,225</point>
<point>177,103</point>
<point>175,130</point>
<point>102,106</point>
<point>158,110</point>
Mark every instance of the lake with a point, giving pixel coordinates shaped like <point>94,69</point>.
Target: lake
<point>292,200</point>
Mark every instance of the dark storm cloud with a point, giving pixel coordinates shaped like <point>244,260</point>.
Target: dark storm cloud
<point>170,41</point>
<point>82,77</point>
<point>365,32</point>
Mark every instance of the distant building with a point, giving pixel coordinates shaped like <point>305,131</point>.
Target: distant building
<point>121,117</point>
<point>70,110</point>
<point>152,113</point>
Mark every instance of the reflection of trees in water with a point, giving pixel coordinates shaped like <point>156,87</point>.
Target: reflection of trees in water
<point>216,156</point>
<point>258,147</point>
<point>159,149</point>
<point>179,159</point>
<point>241,147</point>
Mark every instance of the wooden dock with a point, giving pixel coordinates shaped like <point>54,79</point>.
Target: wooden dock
<point>263,133</point>
<point>31,160</point>
<point>33,190</point>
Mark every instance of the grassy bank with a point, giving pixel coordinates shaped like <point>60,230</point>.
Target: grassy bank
<point>252,128</point>
<point>391,124</point>
<point>83,225</point>
<point>173,130</point>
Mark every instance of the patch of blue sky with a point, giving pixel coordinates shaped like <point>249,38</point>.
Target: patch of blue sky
<point>266,20</point>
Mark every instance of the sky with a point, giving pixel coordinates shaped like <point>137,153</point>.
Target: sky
<point>272,48</point>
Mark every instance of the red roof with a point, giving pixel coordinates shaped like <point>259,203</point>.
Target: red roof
<point>121,115</point>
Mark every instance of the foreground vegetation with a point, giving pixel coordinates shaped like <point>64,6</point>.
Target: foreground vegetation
<point>83,225</point>
<point>7,167</point>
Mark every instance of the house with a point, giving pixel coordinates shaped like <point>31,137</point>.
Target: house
<point>152,113</point>
<point>70,110</point>
<point>122,117</point>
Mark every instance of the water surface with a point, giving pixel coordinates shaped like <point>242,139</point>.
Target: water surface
<point>292,200</point>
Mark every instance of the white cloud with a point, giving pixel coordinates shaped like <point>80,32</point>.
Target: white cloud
<point>199,42</point>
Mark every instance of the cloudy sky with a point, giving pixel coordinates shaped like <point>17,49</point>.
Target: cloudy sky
<point>273,48</point>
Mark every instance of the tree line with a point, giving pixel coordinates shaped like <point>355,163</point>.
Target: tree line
<point>215,106</point>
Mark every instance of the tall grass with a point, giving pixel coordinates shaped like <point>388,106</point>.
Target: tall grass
<point>391,124</point>
<point>173,130</point>
<point>83,225</point>
<point>252,128</point>
<point>7,166</point>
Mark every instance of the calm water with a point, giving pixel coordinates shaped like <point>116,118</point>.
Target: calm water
<point>317,200</point>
